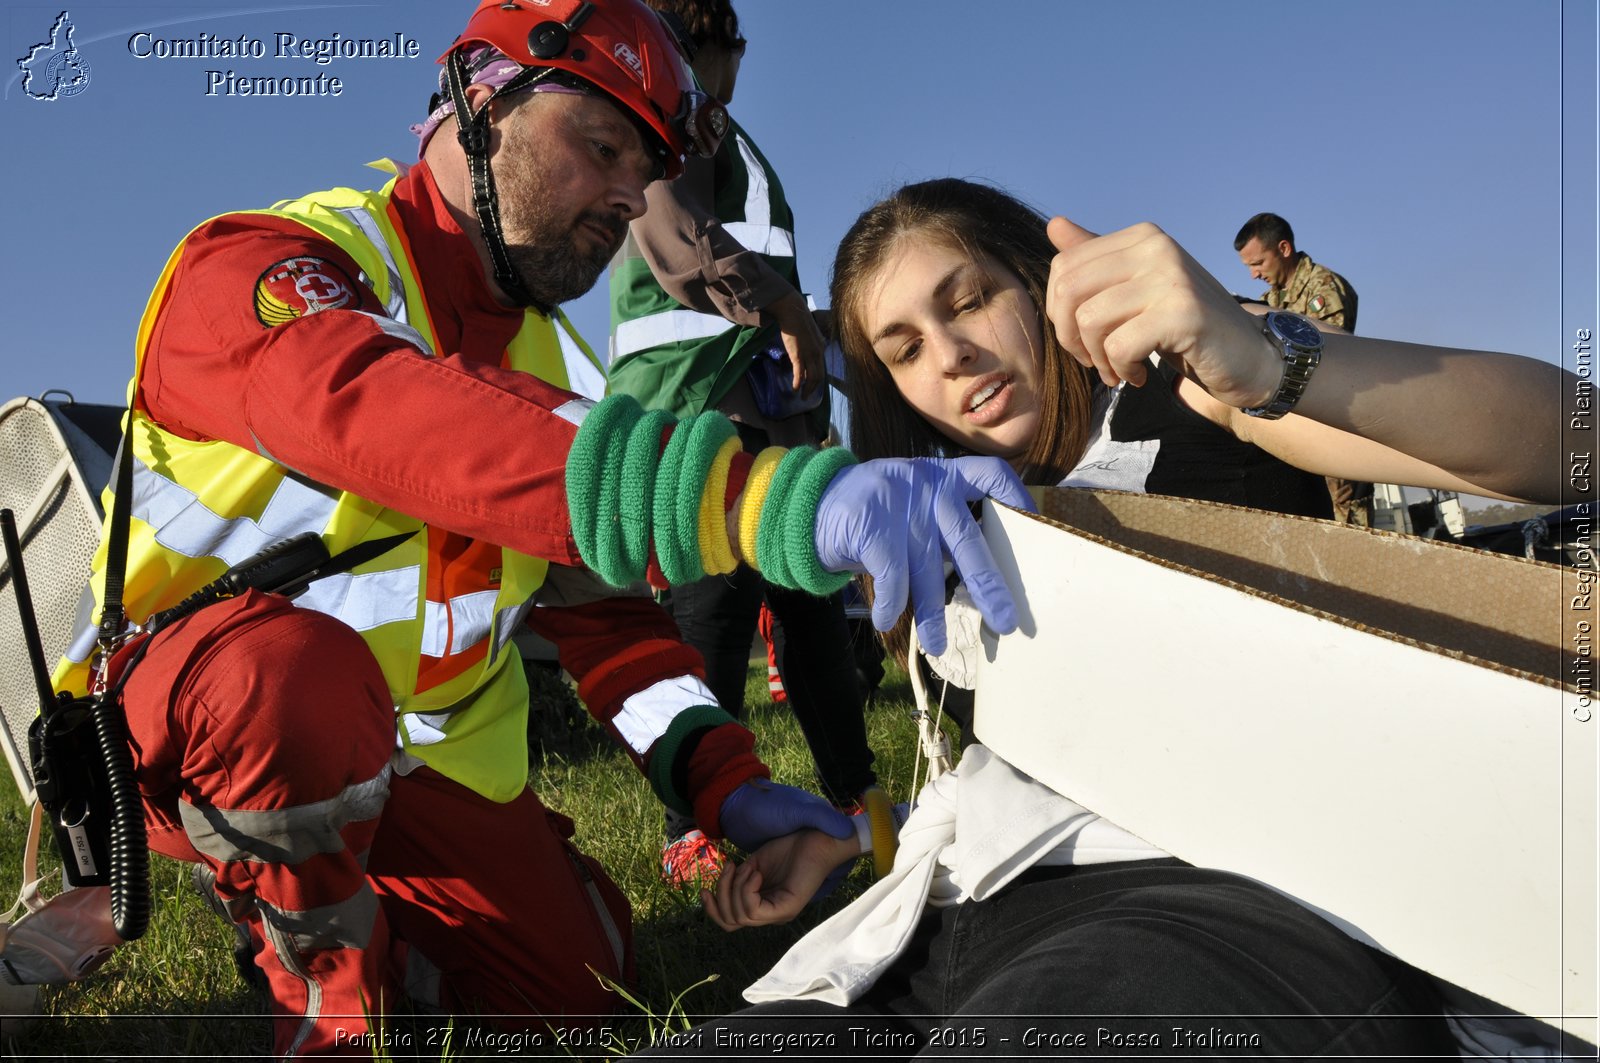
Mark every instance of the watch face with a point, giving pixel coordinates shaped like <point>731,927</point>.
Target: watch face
<point>1294,329</point>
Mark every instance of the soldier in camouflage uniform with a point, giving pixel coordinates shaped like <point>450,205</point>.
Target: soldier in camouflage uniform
<point>1316,291</point>
<point>1266,246</point>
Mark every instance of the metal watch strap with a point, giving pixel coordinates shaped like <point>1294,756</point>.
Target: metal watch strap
<point>1299,363</point>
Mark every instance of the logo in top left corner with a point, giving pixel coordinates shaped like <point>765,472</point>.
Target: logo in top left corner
<point>54,69</point>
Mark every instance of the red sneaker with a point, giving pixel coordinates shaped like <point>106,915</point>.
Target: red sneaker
<point>692,860</point>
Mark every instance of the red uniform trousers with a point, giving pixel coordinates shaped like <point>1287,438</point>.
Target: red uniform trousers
<point>262,736</point>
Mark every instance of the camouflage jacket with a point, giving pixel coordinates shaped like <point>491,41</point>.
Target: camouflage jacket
<point>1316,291</point>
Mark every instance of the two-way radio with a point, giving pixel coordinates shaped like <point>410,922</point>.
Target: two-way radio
<point>82,763</point>
<point>69,775</point>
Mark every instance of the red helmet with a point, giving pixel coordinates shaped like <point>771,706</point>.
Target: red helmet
<point>622,48</point>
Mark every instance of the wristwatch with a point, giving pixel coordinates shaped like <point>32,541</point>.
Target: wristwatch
<point>1301,346</point>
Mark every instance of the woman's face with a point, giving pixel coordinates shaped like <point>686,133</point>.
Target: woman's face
<point>961,339</point>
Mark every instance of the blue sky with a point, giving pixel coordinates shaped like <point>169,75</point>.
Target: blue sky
<point>1415,145</point>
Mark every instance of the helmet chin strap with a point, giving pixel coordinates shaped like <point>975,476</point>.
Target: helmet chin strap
<point>472,132</point>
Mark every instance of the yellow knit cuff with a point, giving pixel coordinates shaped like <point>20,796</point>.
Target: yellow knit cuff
<point>716,552</point>
<point>755,493</point>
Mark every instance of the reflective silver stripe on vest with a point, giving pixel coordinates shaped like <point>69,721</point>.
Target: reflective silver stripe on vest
<point>347,924</point>
<point>756,232</point>
<point>767,239</point>
<point>396,303</point>
<point>669,326</point>
<point>261,448</point>
<point>400,331</point>
<point>506,623</point>
<point>361,602</point>
<point>283,835</point>
<point>645,716</point>
<point>582,375</point>
<point>574,410</point>
<point>428,728</point>
<point>473,616</point>
<point>187,526</point>
<point>469,619</point>
<point>82,645</point>
<point>424,728</point>
<point>367,600</point>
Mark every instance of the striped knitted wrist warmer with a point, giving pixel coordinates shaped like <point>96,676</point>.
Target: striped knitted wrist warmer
<point>681,483</point>
<point>680,561</point>
<point>663,770</point>
<point>770,539</point>
<point>786,549</point>
<point>756,486</point>
<point>639,473</point>
<point>800,523</point>
<point>716,551</point>
<point>594,468</point>
<point>626,494</point>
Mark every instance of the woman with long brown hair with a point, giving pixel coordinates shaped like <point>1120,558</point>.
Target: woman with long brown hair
<point>973,327</point>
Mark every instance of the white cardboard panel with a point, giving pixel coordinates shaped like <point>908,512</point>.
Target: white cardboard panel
<point>1438,809</point>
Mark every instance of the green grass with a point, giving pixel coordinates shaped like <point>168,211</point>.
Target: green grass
<point>175,992</point>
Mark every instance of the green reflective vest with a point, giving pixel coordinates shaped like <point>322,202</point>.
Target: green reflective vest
<point>671,357</point>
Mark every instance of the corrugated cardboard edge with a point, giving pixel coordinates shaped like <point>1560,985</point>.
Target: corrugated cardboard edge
<point>1491,610</point>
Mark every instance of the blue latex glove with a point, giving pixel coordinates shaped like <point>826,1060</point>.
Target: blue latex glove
<point>761,810</point>
<point>898,519</point>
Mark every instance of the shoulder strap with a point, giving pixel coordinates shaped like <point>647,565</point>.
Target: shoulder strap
<point>28,899</point>
<point>111,611</point>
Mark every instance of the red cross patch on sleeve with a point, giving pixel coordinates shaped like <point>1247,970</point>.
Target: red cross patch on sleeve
<point>295,287</point>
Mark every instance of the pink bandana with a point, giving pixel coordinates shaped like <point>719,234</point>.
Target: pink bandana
<point>486,65</point>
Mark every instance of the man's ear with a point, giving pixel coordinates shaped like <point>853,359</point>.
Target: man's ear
<point>1285,249</point>
<point>476,94</point>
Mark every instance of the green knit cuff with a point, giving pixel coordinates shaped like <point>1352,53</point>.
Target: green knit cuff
<point>680,561</point>
<point>707,433</point>
<point>609,559</point>
<point>640,460</point>
<point>663,758</point>
<point>680,484</point>
<point>799,529</point>
<point>591,463</point>
<point>771,557</point>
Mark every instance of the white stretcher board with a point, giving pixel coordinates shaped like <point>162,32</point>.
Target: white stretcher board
<point>1439,806</point>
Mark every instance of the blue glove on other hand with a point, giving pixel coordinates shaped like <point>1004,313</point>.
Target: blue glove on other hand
<point>898,519</point>
<point>761,810</point>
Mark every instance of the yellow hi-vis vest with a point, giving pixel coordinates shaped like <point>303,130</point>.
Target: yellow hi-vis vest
<point>200,507</point>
